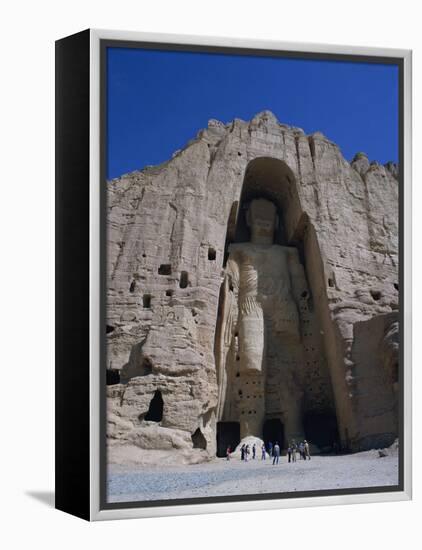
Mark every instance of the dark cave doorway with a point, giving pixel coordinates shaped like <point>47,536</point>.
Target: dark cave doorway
<point>273,430</point>
<point>228,435</point>
<point>321,429</point>
<point>155,411</point>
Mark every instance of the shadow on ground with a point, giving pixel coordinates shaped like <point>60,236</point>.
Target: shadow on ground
<point>45,497</point>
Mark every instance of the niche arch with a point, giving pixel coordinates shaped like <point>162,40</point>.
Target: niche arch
<point>272,179</point>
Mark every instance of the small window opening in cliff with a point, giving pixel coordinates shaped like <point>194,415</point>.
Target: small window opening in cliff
<point>331,282</point>
<point>112,377</point>
<point>376,294</point>
<point>304,294</point>
<point>198,440</point>
<point>110,329</point>
<point>169,292</point>
<point>212,254</point>
<point>396,286</point>
<point>184,279</point>
<point>155,411</point>
<point>146,301</point>
<point>132,286</point>
<point>164,269</point>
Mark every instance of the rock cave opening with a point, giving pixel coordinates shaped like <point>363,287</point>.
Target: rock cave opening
<point>184,279</point>
<point>212,254</point>
<point>112,377</point>
<point>164,269</point>
<point>273,430</point>
<point>321,429</point>
<point>156,406</point>
<point>198,440</point>
<point>376,295</point>
<point>228,435</point>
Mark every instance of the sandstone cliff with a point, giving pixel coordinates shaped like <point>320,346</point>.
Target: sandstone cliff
<point>167,232</point>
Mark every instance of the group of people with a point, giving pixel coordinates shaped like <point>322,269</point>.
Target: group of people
<point>302,449</point>
<point>274,451</point>
<point>246,450</point>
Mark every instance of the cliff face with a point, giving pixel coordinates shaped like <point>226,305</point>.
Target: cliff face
<point>168,230</point>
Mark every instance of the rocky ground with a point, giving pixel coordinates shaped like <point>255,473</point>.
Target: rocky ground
<point>222,478</point>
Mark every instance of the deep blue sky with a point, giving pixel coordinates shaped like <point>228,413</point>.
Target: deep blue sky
<point>157,101</point>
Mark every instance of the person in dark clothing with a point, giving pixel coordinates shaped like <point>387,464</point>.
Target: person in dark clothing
<point>289,453</point>
<point>276,453</point>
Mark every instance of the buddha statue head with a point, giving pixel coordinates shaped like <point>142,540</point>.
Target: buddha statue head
<point>261,217</point>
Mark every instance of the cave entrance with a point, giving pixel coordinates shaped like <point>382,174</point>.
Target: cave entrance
<point>155,411</point>
<point>321,429</point>
<point>228,435</point>
<point>273,431</point>
<point>198,440</point>
<point>112,377</point>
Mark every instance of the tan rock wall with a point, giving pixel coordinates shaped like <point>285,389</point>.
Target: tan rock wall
<point>166,222</point>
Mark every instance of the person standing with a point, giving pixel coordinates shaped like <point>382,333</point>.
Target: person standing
<point>242,452</point>
<point>289,452</point>
<point>270,448</point>
<point>306,453</point>
<point>263,452</point>
<point>294,451</point>
<point>228,452</point>
<point>253,451</point>
<point>246,452</point>
<point>302,450</point>
<point>276,453</point>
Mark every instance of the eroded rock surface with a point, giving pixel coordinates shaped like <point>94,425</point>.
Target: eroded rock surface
<point>169,231</point>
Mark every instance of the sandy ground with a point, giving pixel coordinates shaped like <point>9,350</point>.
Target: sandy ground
<point>221,477</point>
